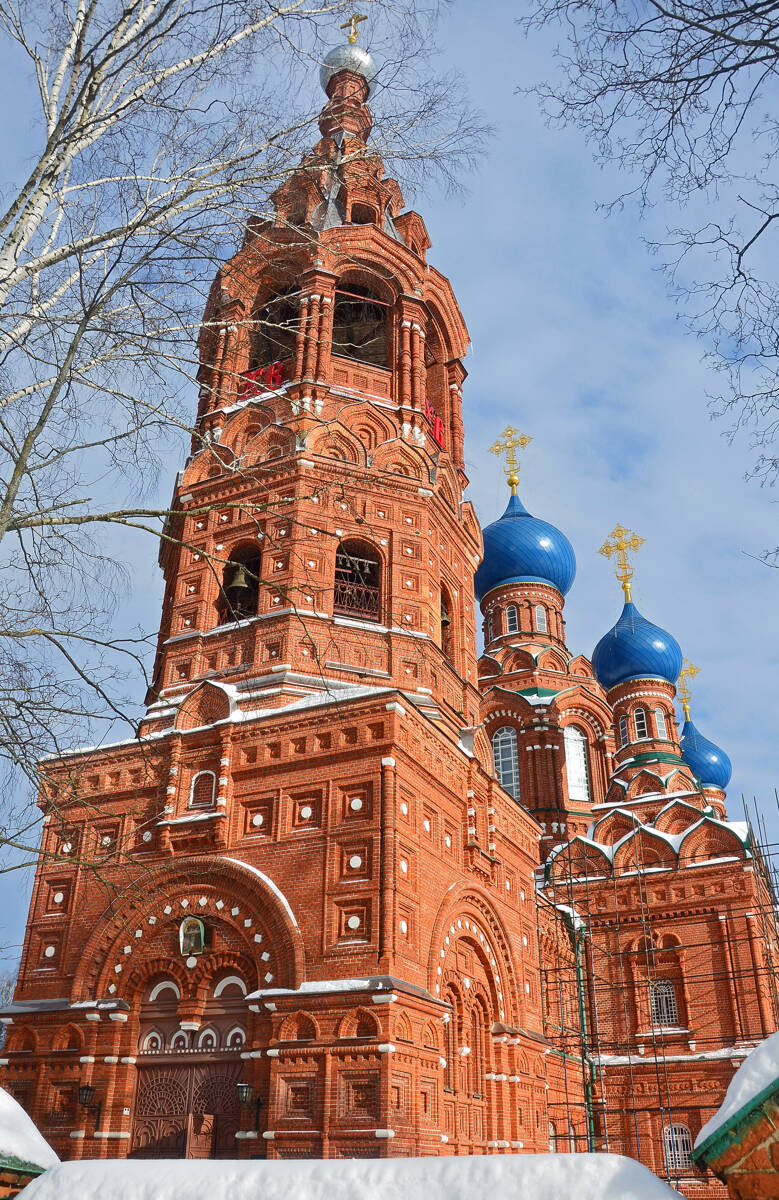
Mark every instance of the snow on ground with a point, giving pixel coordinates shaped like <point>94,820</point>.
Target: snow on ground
<point>19,1136</point>
<point>531,1176</point>
<point>757,1072</point>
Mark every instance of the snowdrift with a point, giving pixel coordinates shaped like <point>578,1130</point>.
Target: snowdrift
<point>529,1176</point>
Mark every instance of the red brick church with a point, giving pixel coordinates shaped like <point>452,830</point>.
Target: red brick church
<point>356,890</point>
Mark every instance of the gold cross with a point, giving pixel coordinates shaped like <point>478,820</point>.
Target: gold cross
<point>507,445</point>
<point>688,672</point>
<point>352,24</point>
<point>619,541</point>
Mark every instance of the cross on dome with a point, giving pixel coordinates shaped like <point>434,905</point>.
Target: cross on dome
<point>507,445</point>
<point>688,672</point>
<point>619,541</point>
<point>352,24</point>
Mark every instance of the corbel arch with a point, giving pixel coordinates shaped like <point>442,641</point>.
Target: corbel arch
<point>709,839</point>
<point>643,849</point>
<point>466,911</point>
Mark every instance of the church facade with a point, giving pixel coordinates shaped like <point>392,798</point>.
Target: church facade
<point>357,890</point>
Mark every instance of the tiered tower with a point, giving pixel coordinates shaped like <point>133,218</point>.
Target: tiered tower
<point>296,917</point>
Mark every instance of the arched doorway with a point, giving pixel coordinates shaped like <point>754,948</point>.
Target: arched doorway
<point>186,1099</point>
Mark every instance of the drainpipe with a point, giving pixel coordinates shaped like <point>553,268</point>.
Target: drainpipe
<point>578,932</point>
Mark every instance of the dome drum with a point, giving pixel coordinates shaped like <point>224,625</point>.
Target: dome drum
<point>524,611</point>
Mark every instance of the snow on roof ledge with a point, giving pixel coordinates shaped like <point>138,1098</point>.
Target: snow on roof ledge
<point>531,1176</point>
<point>19,1136</point>
<point>758,1073</point>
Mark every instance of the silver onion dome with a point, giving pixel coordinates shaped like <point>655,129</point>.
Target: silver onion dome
<point>348,58</point>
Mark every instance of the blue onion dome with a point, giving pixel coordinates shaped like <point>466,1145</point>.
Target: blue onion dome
<point>348,58</point>
<point>520,548</point>
<point>636,649</point>
<point>708,762</point>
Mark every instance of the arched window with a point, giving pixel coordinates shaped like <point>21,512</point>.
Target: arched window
<point>552,1139</point>
<point>576,766</point>
<point>360,325</point>
<point>512,620</point>
<point>541,626</point>
<point>240,585</point>
<point>571,1139</point>
<point>488,632</point>
<point>450,1077</point>
<point>639,717</point>
<point>663,1008</point>
<point>660,726</point>
<point>504,753</point>
<point>623,732</point>
<point>678,1147</point>
<point>357,590</point>
<point>478,1026</point>
<point>202,791</point>
<point>275,330</point>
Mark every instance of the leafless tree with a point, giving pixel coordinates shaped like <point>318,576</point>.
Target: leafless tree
<point>683,97</point>
<point>158,126</point>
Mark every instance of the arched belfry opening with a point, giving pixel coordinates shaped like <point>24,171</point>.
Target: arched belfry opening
<point>447,626</point>
<point>274,330</point>
<point>240,584</point>
<point>360,325</point>
<point>357,584</point>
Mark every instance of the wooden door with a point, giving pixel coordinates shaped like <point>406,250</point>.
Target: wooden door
<point>186,1111</point>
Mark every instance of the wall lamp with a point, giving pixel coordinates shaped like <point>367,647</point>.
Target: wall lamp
<point>247,1099</point>
<point>86,1098</point>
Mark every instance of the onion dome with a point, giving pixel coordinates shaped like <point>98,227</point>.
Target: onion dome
<point>521,548</point>
<point>708,763</point>
<point>350,57</point>
<point>636,649</point>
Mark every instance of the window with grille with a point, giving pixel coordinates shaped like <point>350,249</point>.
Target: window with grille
<point>202,791</point>
<point>662,1003</point>
<point>576,766</point>
<point>639,717</point>
<point>357,582</point>
<point>512,620</point>
<point>541,618</point>
<point>504,753</point>
<point>660,725</point>
<point>678,1146</point>
<point>623,731</point>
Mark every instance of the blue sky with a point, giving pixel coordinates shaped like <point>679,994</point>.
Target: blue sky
<point>575,341</point>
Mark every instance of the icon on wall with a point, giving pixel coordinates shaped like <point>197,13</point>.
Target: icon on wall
<point>192,936</point>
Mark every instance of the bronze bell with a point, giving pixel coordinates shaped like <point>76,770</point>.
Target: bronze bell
<point>239,584</point>
<point>445,620</point>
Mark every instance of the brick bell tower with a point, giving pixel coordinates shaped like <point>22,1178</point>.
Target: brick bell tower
<point>295,917</point>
